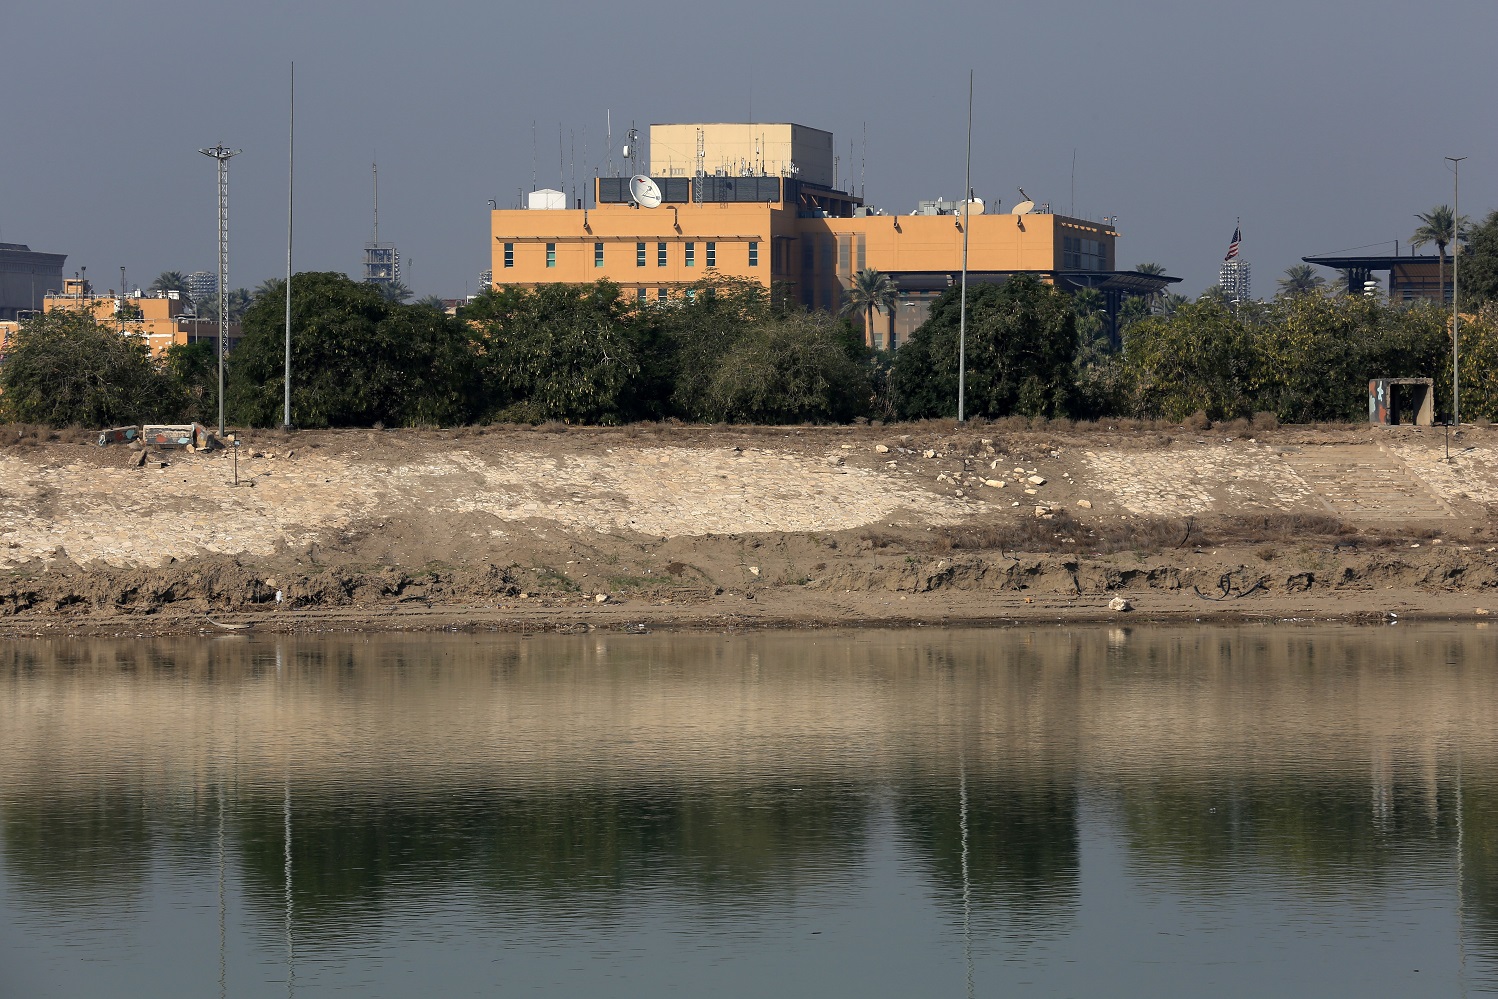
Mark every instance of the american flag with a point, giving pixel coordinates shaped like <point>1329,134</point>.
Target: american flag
<point>1233,246</point>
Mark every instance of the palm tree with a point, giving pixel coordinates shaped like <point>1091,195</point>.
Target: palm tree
<point>1216,293</point>
<point>169,281</point>
<point>236,301</point>
<point>870,292</point>
<point>1300,279</point>
<point>270,286</point>
<point>1171,302</point>
<point>1441,227</point>
<point>395,291</point>
<point>1153,299</point>
<point>433,302</point>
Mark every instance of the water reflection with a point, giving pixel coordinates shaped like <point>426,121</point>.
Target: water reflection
<point>328,785</point>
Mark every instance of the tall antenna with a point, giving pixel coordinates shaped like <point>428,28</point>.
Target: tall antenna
<point>376,168</point>
<point>608,139</point>
<point>223,156</point>
<point>864,161</point>
<point>533,154</point>
<point>697,181</point>
<point>1073,210</point>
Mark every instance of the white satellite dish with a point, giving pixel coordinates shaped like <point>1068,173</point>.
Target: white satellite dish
<point>1023,208</point>
<point>975,206</point>
<point>644,192</point>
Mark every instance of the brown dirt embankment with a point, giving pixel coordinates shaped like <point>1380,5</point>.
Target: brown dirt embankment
<point>517,528</point>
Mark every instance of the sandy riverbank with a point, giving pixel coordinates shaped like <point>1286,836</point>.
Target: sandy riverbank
<point>689,527</point>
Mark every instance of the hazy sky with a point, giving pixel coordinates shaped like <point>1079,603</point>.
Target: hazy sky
<point>1323,124</point>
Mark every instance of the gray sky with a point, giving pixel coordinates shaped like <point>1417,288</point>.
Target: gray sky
<point>1322,124</point>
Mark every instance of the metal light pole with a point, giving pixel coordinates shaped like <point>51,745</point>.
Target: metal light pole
<point>967,198</point>
<point>290,187</point>
<point>223,156</point>
<point>1456,255</point>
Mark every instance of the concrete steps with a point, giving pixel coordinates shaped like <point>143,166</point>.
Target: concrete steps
<point>1367,483</point>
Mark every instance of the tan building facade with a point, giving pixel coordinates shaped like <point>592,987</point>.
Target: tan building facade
<point>162,322</point>
<point>787,232</point>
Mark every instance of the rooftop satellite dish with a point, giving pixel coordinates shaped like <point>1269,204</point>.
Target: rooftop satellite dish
<point>975,206</point>
<point>644,192</point>
<point>1023,208</point>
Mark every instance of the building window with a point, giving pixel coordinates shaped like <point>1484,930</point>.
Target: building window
<point>691,255</point>
<point>660,294</point>
<point>551,254</point>
<point>691,294</point>
<point>753,253</point>
<point>597,254</point>
<point>712,254</point>
<point>660,255</point>
<point>640,292</point>
<point>640,260</point>
<point>509,254</point>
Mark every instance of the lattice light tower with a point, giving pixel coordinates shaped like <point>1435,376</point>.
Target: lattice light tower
<point>223,156</point>
<point>1234,277</point>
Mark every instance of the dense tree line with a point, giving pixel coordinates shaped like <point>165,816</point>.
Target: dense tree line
<point>730,351</point>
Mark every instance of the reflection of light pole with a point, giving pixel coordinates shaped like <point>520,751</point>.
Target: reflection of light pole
<point>1456,254</point>
<point>223,156</point>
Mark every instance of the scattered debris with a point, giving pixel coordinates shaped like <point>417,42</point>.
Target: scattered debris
<point>1120,604</point>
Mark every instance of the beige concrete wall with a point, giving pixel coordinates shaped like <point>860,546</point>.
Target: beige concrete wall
<point>743,149</point>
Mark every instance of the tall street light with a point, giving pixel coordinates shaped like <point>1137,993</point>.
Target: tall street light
<point>1456,255</point>
<point>223,156</point>
<point>967,199</point>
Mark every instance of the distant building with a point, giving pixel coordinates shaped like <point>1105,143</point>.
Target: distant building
<point>758,202</point>
<point>26,277</point>
<point>382,264</point>
<point>202,286</point>
<point>1234,279</point>
<point>1411,279</point>
<point>163,322</point>
<point>486,279</point>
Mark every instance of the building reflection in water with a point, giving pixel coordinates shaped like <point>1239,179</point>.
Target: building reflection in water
<point>553,775</point>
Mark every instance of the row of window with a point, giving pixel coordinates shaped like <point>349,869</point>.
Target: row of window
<point>689,254</point>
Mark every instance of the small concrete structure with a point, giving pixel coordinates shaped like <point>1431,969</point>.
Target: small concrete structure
<point>1383,405</point>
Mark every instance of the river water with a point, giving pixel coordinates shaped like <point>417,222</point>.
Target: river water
<point>1052,811</point>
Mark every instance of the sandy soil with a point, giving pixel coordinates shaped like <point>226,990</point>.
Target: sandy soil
<point>674,526</point>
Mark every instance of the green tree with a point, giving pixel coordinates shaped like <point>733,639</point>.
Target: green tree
<point>270,286</point>
<point>357,359</point>
<point>1478,273</point>
<point>1021,342</point>
<point>790,369</point>
<point>1215,294</point>
<point>395,291</point>
<point>1300,279</point>
<point>1202,359</point>
<point>236,302</point>
<point>169,281</point>
<point>870,292</point>
<point>193,367</point>
<point>1441,227</point>
<point>558,352</point>
<point>65,367</point>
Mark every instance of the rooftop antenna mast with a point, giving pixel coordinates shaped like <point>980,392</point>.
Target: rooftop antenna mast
<point>608,140</point>
<point>698,181</point>
<point>375,167</point>
<point>223,156</point>
<point>864,160</point>
<point>533,154</point>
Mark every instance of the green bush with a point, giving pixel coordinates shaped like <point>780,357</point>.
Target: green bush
<point>65,367</point>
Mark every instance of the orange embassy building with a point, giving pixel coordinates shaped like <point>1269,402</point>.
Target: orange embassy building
<point>760,201</point>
